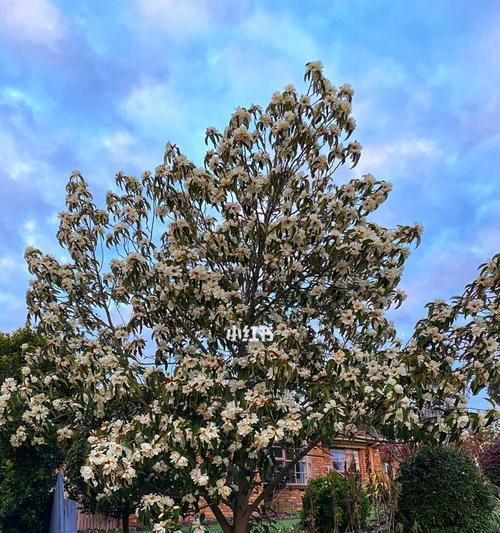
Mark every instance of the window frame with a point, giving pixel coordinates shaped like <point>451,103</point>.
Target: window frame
<point>300,474</point>
<point>349,455</point>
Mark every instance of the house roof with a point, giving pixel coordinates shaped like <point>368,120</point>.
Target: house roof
<point>367,437</point>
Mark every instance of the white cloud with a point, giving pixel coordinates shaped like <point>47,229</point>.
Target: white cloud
<point>118,143</point>
<point>268,51</point>
<point>397,154</point>
<point>6,262</point>
<point>152,103</point>
<point>13,96</point>
<point>161,113</point>
<point>14,163</point>
<point>33,236</point>
<point>181,19</point>
<point>281,33</point>
<point>8,267</point>
<point>250,75</point>
<point>35,21</point>
<point>125,149</point>
<point>486,242</point>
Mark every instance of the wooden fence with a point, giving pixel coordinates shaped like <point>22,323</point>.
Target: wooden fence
<point>86,522</point>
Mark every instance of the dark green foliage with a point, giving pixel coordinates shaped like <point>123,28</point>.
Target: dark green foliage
<point>11,356</point>
<point>27,473</point>
<point>27,477</point>
<point>489,462</point>
<point>443,491</point>
<point>334,499</point>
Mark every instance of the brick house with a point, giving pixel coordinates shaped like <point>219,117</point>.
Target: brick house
<point>361,454</point>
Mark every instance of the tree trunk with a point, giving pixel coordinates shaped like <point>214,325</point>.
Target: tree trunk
<point>240,525</point>
<point>125,522</point>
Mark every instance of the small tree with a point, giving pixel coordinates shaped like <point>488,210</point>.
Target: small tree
<point>476,443</point>
<point>27,472</point>
<point>248,299</point>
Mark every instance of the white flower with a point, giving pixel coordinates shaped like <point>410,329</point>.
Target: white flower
<point>198,477</point>
<point>121,334</point>
<point>87,473</point>
<point>9,385</point>
<point>178,460</point>
<point>347,317</point>
<point>339,357</point>
<point>208,433</point>
<point>197,527</point>
<point>19,437</point>
<point>462,421</point>
<point>314,66</point>
<point>398,389</point>
<point>64,433</point>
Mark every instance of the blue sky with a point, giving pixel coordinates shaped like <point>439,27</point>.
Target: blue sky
<point>101,86</point>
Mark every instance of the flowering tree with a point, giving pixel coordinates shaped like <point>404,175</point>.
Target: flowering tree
<point>263,239</point>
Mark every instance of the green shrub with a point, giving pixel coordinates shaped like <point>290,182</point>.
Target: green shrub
<point>443,491</point>
<point>27,477</point>
<point>27,473</point>
<point>334,498</point>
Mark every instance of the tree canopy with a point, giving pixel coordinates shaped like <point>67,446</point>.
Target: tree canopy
<point>268,235</point>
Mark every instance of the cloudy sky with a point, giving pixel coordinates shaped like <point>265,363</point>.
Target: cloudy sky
<point>101,86</point>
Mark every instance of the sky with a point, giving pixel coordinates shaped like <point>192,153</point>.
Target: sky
<point>102,86</point>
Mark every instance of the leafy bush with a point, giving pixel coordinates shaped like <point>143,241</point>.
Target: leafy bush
<point>27,478</point>
<point>334,499</point>
<point>489,462</point>
<point>27,473</point>
<point>443,491</point>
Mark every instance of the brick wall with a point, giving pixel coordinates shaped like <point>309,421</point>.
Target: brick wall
<point>287,499</point>
<point>376,462</point>
<point>320,463</point>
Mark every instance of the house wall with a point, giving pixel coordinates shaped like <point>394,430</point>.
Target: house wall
<point>290,497</point>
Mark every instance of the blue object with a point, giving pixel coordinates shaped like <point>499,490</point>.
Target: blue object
<point>63,517</point>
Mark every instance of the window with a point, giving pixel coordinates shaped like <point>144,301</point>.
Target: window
<point>345,459</point>
<point>300,473</point>
<point>388,469</point>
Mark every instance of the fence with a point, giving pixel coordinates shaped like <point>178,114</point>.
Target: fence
<point>86,522</point>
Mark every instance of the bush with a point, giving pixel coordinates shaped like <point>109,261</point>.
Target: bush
<point>27,473</point>
<point>489,462</point>
<point>443,491</point>
<point>27,478</point>
<point>334,497</point>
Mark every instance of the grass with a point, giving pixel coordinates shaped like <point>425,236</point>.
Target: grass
<point>282,524</point>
